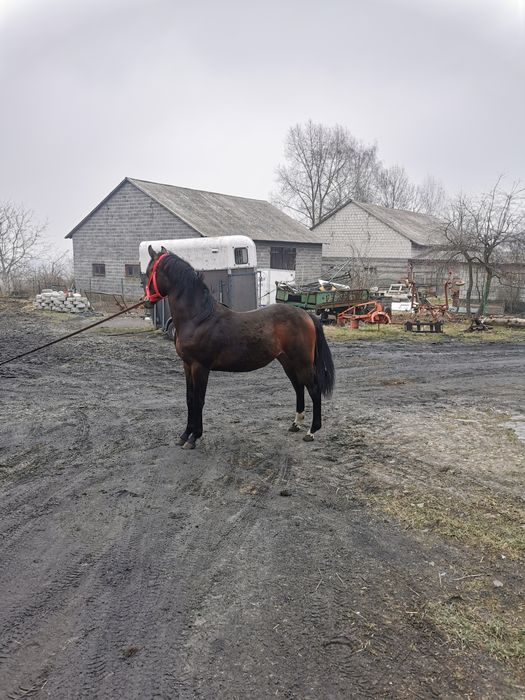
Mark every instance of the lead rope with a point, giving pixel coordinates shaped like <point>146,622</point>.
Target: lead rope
<point>70,335</point>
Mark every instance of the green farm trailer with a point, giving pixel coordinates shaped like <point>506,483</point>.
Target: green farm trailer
<point>324,303</point>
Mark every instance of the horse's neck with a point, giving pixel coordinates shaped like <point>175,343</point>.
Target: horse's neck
<point>186,310</point>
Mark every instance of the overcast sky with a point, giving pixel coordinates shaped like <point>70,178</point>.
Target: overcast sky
<point>201,94</point>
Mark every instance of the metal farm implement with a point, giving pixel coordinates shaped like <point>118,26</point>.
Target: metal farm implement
<point>427,315</point>
<point>368,312</point>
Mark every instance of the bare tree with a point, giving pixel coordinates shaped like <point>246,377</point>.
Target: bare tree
<point>324,167</point>
<point>430,197</point>
<point>52,271</point>
<point>459,240</point>
<point>45,270</point>
<point>19,237</point>
<point>394,189</point>
<point>512,276</point>
<point>485,230</point>
<point>498,223</point>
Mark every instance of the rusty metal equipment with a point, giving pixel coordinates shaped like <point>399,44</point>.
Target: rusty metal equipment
<point>437,312</point>
<point>367,312</point>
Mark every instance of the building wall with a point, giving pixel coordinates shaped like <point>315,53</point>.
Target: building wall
<point>352,232</point>
<point>112,236</point>
<point>307,262</point>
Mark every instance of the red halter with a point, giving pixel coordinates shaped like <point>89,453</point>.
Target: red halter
<point>155,295</point>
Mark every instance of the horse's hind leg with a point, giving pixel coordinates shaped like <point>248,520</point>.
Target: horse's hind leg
<point>299,394</point>
<point>315,395</point>
<point>299,407</point>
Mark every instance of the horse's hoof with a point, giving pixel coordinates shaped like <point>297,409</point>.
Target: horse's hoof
<point>188,446</point>
<point>181,441</point>
<point>294,428</point>
<point>308,437</point>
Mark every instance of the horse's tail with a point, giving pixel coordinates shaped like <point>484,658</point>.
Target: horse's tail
<point>323,362</point>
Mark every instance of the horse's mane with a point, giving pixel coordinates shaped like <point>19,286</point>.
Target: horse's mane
<point>188,280</point>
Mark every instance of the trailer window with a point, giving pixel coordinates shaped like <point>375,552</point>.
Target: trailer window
<point>98,270</point>
<point>282,258</point>
<point>241,256</point>
<point>132,270</point>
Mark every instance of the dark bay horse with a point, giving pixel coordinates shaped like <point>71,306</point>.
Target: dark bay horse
<point>212,337</point>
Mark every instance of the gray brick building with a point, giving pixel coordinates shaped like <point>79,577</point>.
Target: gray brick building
<point>385,241</point>
<point>381,246</point>
<point>106,241</point>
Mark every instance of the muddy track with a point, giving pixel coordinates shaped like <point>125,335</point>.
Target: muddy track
<point>130,568</point>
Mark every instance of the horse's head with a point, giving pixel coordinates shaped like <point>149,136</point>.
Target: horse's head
<point>156,283</point>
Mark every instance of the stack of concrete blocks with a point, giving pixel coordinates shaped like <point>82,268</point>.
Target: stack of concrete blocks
<point>61,302</point>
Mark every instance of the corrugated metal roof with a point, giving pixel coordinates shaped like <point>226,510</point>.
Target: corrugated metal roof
<point>214,214</point>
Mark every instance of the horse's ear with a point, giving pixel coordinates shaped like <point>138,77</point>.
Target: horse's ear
<point>152,253</point>
<point>163,250</point>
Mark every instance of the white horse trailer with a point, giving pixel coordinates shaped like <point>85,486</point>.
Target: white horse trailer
<point>228,264</point>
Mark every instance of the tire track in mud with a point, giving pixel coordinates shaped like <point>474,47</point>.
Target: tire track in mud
<point>117,594</point>
<point>195,556</point>
<point>40,619</point>
<point>16,623</point>
<point>201,555</point>
<point>75,475</point>
<point>83,577</point>
<point>56,595</point>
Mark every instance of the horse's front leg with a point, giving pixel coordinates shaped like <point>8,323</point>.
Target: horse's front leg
<point>189,402</point>
<point>199,376</point>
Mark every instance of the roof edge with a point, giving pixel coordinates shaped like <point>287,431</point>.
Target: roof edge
<point>194,189</point>
<point>81,223</point>
<point>332,212</point>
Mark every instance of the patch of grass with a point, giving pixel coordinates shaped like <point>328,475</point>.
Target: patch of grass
<point>496,335</point>
<point>482,522</point>
<point>483,624</point>
<point>396,331</point>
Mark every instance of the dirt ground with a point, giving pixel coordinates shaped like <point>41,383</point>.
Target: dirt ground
<point>383,560</point>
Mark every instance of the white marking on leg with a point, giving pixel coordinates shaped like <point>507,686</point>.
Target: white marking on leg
<point>308,437</point>
<point>299,418</point>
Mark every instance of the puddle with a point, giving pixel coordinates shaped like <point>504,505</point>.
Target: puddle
<point>517,424</point>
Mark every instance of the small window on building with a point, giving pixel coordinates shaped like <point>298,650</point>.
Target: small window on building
<point>282,258</point>
<point>98,270</point>
<point>241,256</point>
<point>132,270</point>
